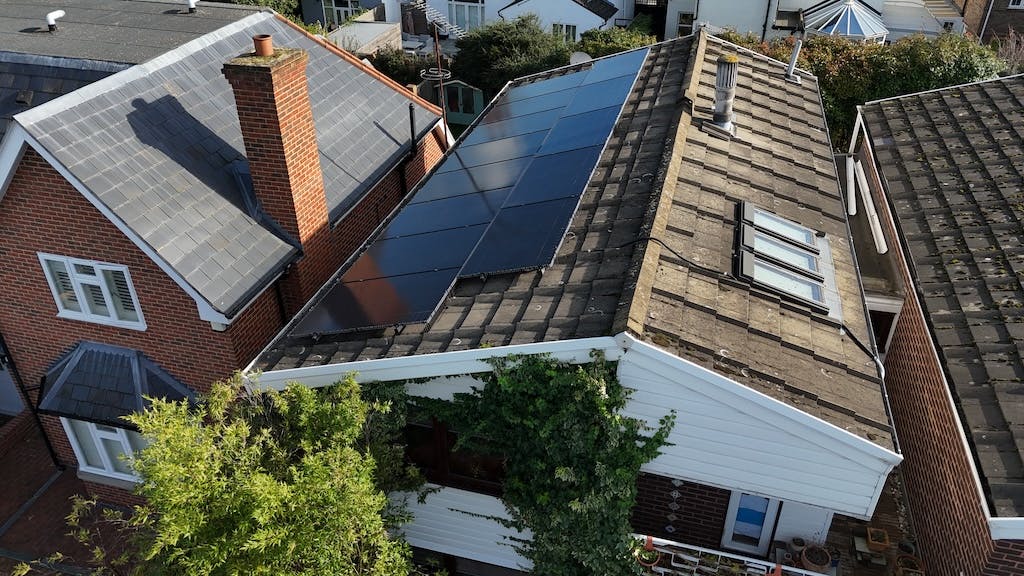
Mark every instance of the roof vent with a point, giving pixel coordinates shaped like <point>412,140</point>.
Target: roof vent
<point>191,6</point>
<point>51,19</point>
<point>791,69</point>
<point>725,92</point>
<point>24,97</point>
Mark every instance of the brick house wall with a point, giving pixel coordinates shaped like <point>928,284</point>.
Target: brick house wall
<point>1002,18</point>
<point>1007,559</point>
<point>682,511</point>
<point>973,12</point>
<point>945,507</point>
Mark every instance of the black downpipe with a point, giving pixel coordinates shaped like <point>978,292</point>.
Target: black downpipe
<point>6,357</point>
<point>767,14</point>
<point>279,297</point>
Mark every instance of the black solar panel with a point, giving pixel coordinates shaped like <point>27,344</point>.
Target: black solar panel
<point>500,202</point>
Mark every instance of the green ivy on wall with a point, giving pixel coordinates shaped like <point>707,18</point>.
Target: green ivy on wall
<point>572,458</point>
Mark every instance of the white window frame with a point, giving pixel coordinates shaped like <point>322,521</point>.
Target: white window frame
<point>767,527</point>
<point>1016,5</point>
<point>563,31</point>
<point>97,435</point>
<point>467,6</point>
<point>339,11</point>
<point>78,282</point>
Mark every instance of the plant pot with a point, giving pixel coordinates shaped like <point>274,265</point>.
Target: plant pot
<point>647,555</point>
<point>908,565</point>
<point>878,540</point>
<point>816,559</point>
<point>796,546</point>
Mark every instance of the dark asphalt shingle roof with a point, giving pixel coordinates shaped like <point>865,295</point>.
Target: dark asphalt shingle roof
<point>606,278</point>
<point>110,30</point>
<point>101,383</point>
<point>159,144</point>
<point>28,80</point>
<point>953,165</point>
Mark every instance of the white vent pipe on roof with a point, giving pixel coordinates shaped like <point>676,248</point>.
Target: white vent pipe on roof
<point>791,69</point>
<point>725,90</point>
<point>191,6</point>
<point>51,19</point>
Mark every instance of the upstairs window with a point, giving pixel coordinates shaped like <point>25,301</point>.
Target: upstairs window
<point>1019,4</point>
<point>430,445</point>
<point>782,256</point>
<point>566,32</point>
<point>92,291</point>
<point>466,14</point>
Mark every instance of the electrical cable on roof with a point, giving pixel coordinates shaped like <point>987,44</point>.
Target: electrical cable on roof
<point>685,260</point>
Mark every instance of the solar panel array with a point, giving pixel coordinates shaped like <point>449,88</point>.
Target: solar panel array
<point>500,202</point>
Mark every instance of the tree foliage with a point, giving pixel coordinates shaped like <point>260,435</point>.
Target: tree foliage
<point>283,7</point>
<point>272,483</point>
<point>599,43</point>
<point>401,66</point>
<point>572,458</point>
<point>491,55</point>
<point>852,73</point>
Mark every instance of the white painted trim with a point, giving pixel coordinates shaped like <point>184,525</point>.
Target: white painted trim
<point>775,407</point>
<point>767,528</point>
<point>1006,528</point>
<point>206,310</point>
<point>12,148</point>
<point>431,365</point>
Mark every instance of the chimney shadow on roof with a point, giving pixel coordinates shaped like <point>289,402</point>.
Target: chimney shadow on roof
<point>167,126</point>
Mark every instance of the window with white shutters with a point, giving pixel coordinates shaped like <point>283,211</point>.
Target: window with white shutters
<point>92,291</point>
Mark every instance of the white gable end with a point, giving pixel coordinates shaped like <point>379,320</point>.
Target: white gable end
<point>731,436</point>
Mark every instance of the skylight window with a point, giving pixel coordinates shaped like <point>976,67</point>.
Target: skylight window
<point>782,256</point>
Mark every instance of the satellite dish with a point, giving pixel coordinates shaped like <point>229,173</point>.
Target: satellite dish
<point>579,58</point>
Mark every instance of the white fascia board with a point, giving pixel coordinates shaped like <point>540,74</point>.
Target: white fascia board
<point>652,357</point>
<point>206,310</point>
<point>12,148</point>
<point>455,363</point>
<point>1006,528</point>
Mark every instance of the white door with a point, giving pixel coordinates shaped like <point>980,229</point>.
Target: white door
<point>749,523</point>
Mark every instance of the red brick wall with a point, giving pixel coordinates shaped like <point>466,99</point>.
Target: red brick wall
<point>1007,559</point>
<point>973,12</point>
<point>945,507</point>
<point>1003,18</point>
<point>697,511</point>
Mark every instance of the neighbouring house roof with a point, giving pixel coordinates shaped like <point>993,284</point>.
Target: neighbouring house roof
<point>28,80</point>
<point>601,8</point>
<point>110,30</point>
<point>160,146</point>
<point>101,383</point>
<point>849,18</point>
<point>661,181</point>
<point>953,164</point>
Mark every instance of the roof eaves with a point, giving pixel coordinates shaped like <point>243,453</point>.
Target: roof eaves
<point>944,88</point>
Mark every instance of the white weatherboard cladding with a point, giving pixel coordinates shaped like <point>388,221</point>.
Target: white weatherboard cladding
<point>461,523</point>
<point>731,440</point>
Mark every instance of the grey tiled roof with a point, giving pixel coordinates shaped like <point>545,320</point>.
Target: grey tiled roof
<point>157,144</point>
<point>28,80</point>
<point>953,164</point>
<point>101,383</point>
<point>661,176</point>
<point>110,30</point>
<point>781,160</point>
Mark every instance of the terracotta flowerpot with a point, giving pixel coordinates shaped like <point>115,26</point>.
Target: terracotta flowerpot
<point>648,556</point>
<point>878,540</point>
<point>816,558</point>
<point>908,565</point>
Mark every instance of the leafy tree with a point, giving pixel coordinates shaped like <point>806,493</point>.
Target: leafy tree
<point>401,66</point>
<point>852,73</point>
<point>599,43</point>
<point>1011,49</point>
<point>283,7</point>
<point>571,463</point>
<point>492,55</point>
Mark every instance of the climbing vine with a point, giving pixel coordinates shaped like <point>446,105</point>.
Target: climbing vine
<point>571,458</point>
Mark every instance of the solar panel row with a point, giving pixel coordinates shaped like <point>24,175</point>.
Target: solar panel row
<point>500,202</point>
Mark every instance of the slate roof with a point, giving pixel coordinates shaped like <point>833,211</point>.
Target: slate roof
<point>160,145</point>
<point>661,176</point>
<point>101,383</point>
<point>28,80</point>
<point>953,164</point>
<point>110,30</point>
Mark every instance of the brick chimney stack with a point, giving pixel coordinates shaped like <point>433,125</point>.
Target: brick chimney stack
<point>272,99</point>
